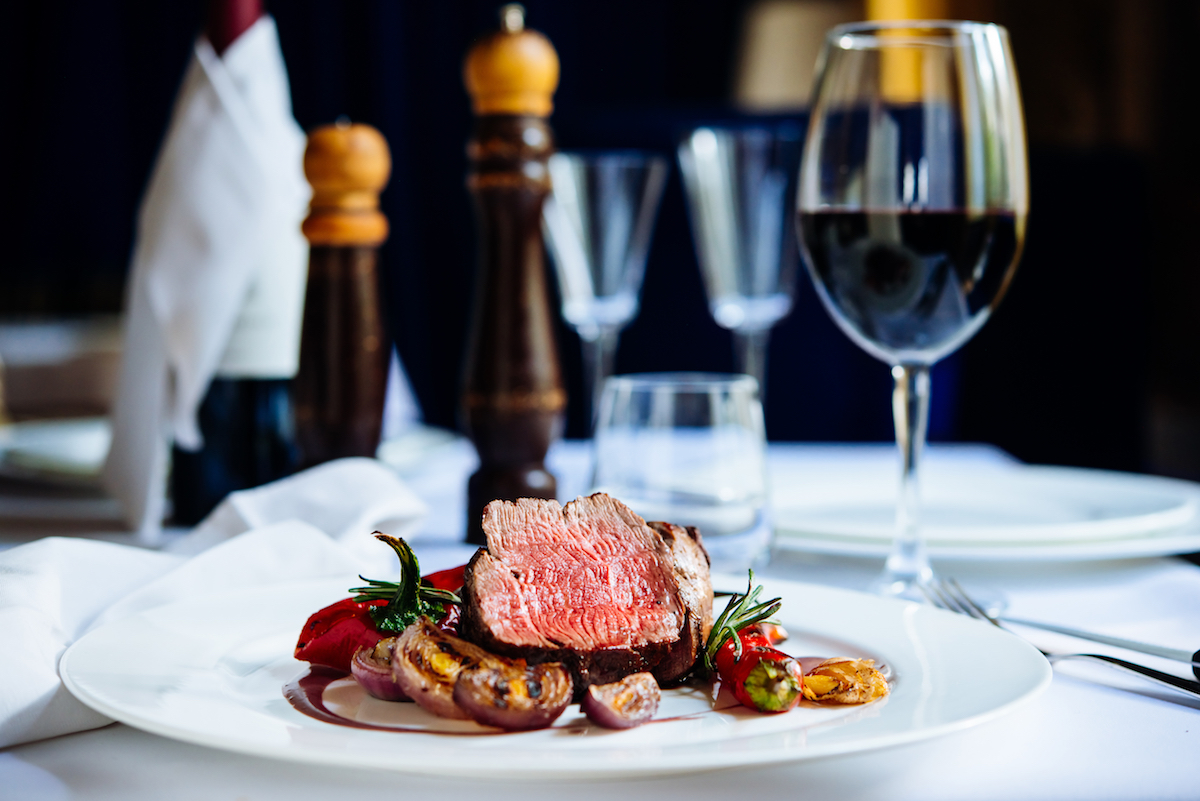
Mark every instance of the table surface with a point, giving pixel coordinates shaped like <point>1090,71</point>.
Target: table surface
<point>1096,733</point>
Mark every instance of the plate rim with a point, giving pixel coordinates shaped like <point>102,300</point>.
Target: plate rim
<point>675,762</point>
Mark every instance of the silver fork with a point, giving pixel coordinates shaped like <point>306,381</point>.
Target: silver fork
<point>949,594</point>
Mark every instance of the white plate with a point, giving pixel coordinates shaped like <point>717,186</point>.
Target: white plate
<point>211,672</point>
<point>990,510</point>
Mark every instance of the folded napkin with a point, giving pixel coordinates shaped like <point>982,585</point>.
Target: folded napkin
<point>348,499</point>
<point>313,525</point>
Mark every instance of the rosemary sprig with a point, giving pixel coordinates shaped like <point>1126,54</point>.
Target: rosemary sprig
<point>407,599</point>
<point>742,610</point>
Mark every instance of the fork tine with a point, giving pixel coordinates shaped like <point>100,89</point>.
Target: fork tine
<point>950,600</point>
<point>977,611</point>
<point>932,597</point>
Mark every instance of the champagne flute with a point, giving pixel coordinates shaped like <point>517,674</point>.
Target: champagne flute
<point>598,222</point>
<point>739,191</point>
<point>912,202</point>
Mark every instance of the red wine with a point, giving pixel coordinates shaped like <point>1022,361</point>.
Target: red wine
<point>910,286</point>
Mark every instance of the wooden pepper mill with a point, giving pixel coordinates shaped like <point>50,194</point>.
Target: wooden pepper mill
<point>344,349</point>
<point>513,398</point>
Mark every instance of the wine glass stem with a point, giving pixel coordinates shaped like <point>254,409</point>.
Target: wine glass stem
<point>598,357</point>
<point>751,352</point>
<point>908,564</point>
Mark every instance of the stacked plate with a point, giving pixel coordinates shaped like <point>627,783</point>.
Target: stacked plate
<point>979,504</point>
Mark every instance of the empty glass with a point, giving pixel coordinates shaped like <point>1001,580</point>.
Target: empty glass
<point>598,221</point>
<point>689,448</point>
<point>740,191</point>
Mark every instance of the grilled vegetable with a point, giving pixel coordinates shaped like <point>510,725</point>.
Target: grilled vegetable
<point>453,678</point>
<point>426,663</point>
<point>760,676</point>
<point>774,632</point>
<point>623,704</point>
<point>332,635</point>
<point>512,695</point>
<point>843,680</point>
<point>373,669</point>
<point>450,579</point>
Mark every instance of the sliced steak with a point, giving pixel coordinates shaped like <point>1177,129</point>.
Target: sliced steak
<point>690,562</point>
<point>591,585</point>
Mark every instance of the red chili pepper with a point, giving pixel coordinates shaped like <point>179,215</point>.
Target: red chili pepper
<point>333,634</point>
<point>763,678</point>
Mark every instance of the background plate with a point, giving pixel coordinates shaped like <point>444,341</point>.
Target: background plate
<point>994,510</point>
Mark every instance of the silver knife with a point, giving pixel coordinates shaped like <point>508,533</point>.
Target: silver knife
<point>1178,654</point>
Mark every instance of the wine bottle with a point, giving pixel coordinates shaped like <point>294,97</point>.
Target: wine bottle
<point>246,418</point>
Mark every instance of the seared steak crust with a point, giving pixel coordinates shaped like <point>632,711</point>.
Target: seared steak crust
<point>590,585</point>
<point>691,564</point>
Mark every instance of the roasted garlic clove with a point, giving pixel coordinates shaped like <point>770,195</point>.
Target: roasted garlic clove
<point>845,681</point>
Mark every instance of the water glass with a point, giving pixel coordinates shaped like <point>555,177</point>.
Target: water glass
<point>690,449</point>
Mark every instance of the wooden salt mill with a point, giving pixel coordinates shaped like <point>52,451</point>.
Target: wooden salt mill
<point>513,397</point>
<point>344,349</point>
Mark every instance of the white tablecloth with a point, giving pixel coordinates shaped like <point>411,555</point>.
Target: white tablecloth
<point>1094,734</point>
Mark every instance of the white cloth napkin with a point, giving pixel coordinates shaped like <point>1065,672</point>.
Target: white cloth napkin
<point>57,589</point>
<point>220,217</point>
<point>348,499</point>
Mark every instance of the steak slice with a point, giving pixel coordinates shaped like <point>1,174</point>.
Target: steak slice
<point>590,585</point>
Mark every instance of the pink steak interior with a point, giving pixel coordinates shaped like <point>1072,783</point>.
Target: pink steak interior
<point>590,575</point>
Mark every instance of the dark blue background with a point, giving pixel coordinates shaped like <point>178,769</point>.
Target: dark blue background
<point>1058,375</point>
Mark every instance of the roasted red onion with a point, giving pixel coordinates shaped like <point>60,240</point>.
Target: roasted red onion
<point>373,669</point>
<point>623,704</point>
<point>426,663</point>
<point>453,678</point>
<point>513,696</point>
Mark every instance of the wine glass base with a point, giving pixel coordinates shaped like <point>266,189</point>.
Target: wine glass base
<point>905,588</point>
<point>920,590</point>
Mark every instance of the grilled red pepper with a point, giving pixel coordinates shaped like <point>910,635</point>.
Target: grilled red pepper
<point>450,579</point>
<point>760,676</point>
<point>332,635</point>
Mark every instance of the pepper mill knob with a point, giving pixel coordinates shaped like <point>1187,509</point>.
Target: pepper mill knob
<point>347,165</point>
<point>512,71</point>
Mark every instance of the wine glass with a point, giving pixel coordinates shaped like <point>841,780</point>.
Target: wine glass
<point>912,202</point>
<point>740,198</point>
<point>598,221</point>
